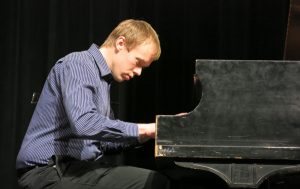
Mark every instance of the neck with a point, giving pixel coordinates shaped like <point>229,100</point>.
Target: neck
<point>107,54</point>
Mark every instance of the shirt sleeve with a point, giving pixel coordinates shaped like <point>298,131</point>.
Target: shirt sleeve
<point>79,87</point>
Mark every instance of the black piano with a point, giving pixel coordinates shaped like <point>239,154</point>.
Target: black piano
<point>245,128</point>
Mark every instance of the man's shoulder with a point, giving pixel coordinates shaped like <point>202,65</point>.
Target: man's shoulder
<point>76,59</point>
<point>81,56</point>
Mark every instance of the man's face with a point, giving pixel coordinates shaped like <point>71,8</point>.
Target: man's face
<point>127,64</point>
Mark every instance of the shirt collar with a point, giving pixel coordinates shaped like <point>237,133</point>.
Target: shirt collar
<point>105,72</point>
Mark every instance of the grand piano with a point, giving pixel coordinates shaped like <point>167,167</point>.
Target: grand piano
<point>246,127</point>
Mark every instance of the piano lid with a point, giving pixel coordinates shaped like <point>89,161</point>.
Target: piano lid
<point>249,109</point>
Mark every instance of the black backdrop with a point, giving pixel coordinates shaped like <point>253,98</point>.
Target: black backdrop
<point>36,33</point>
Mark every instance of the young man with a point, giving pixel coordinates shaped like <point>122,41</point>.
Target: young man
<point>72,128</point>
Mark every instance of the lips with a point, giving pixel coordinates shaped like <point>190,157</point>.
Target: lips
<point>126,77</point>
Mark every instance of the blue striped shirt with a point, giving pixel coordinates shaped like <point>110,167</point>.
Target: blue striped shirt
<point>73,116</point>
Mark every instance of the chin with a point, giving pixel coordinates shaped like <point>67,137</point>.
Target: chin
<point>119,79</point>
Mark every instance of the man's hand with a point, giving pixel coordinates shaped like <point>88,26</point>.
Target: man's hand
<point>146,131</point>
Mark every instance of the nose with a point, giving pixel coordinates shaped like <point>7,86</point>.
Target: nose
<point>137,71</point>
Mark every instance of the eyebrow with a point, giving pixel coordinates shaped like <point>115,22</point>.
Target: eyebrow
<point>142,61</point>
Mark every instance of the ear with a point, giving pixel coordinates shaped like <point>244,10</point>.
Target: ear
<point>120,43</point>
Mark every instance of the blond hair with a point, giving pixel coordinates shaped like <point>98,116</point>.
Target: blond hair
<point>135,32</point>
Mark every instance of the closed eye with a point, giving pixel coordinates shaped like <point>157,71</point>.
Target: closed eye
<point>141,63</point>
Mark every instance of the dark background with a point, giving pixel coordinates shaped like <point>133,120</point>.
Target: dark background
<point>36,33</point>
